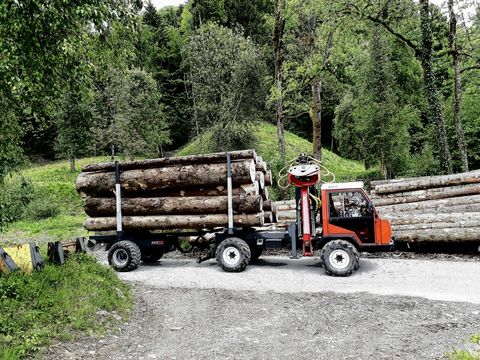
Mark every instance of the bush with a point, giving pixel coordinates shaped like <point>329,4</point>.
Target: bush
<point>41,208</point>
<point>15,195</point>
<point>57,303</point>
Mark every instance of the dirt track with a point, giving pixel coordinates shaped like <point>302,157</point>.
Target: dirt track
<point>281,309</point>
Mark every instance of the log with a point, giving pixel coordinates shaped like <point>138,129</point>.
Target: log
<point>166,178</point>
<point>438,235</point>
<point>414,212</point>
<point>472,223</point>
<point>220,190</point>
<point>173,205</point>
<point>424,195</point>
<point>405,218</point>
<point>174,222</point>
<point>288,215</point>
<point>374,183</point>
<point>444,204</point>
<point>261,165</point>
<point>426,182</point>
<point>268,178</point>
<point>260,178</point>
<point>176,160</point>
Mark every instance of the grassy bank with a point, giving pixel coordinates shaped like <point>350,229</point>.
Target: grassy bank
<point>57,304</point>
<point>56,210</point>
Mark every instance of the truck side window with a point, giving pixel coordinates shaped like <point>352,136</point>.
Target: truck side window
<point>348,204</point>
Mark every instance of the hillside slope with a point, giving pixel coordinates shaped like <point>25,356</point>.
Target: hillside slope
<point>267,147</point>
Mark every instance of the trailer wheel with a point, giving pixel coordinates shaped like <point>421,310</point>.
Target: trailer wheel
<point>339,258</point>
<point>233,255</point>
<point>256,253</point>
<point>124,256</point>
<point>151,256</point>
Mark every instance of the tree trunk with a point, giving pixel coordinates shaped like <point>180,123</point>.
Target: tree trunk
<point>406,218</point>
<point>426,195</point>
<point>439,225</point>
<point>278,57</point>
<point>173,205</point>
<point>174,222</point>
<point>72,165</point>
<point>316,117</point>
<point>175,160</point>
<point>432,205</point>
<point>260,178</point>
<point>457,106</point>
<point>427,182</point>
<point>438,235</point>
<point>181,176</point>
<point>431,90</point>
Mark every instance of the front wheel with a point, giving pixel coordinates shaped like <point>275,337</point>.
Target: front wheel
<point>124,256</point>
<point>339,258</point>
<point>233,255</point>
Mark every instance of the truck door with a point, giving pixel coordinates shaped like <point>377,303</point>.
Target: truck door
<point>351,210</point>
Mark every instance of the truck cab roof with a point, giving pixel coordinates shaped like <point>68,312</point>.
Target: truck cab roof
<point>343,186</point>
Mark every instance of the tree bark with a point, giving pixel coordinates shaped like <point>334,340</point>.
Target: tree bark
<point>431,90</point>
<point>403,219</point>
<point>427,182</point>
<point>439,225</point>
<point>260,178</point>
<point>431,205</point>
<point>268,178</point>
<point>316,117</point>
<point>174,222</point>
<point>173,205</point>
<point>457,106</point>
<point>278,57</point>
<point>166,178</point>
<point>72,165</point>
<point>175,160</point>
<point>438,235</point>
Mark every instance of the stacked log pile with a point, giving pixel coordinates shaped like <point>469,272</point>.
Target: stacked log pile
<point>431,209</point>
<point>187,192</point>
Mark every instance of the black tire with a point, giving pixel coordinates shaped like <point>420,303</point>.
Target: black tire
<point>233,255</point>
<point>340,258</point>
<point>124,256</point>
<point>150,256</point>
<point>256,253</point>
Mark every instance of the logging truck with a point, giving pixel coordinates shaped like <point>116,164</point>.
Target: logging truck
<point>336,222</point>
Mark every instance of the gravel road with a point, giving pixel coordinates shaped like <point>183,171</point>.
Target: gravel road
<point>284,309</point>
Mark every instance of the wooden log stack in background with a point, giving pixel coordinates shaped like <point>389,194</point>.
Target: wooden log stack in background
<point>186,192</point>
<point>431,209</point>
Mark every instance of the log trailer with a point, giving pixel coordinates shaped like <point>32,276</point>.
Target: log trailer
<point>338,223</point>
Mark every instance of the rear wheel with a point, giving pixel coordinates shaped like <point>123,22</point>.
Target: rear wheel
<point>340,258</point>
<point>233,255</point>
<point>124,256</point>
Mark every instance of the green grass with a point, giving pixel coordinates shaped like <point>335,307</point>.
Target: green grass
<point>59,303</point>
<point>464,354</point>
<point>54,185</point>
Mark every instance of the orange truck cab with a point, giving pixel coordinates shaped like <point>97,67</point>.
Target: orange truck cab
<point>348,213</point>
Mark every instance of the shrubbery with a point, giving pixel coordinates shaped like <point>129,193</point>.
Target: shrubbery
<point>16,193</point>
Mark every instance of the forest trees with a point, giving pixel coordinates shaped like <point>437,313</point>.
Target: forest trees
<point>227,75</point>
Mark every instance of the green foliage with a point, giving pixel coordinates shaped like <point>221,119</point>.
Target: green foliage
<point>41,209</point>
<point>15,195</point>
<point>53,185</point>
<point>54,303</point>
<point>227,76</point>
<point>130,116</point>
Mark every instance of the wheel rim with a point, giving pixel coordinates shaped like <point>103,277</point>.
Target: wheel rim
<point>231,256</point>
<point>339,259</point>
<point>120,257</point>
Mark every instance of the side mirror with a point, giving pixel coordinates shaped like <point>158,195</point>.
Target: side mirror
<point>370,207</point>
